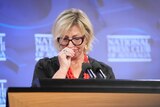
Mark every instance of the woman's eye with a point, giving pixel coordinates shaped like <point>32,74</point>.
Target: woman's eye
<point>65,38</point>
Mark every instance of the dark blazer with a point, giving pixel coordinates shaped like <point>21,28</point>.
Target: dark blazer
<point>47,67</point>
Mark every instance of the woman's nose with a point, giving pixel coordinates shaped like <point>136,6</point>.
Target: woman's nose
<point>70,44</point>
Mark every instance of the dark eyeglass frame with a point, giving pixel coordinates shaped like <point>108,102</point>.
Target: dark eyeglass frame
<point>82,38</point>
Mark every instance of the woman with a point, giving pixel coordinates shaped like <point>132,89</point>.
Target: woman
<point>73,36</point>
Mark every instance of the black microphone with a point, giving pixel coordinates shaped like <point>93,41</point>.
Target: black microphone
<point>88,69</point>
<point>97,68</point>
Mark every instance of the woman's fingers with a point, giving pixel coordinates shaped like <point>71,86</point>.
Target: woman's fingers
<point>68,52</point>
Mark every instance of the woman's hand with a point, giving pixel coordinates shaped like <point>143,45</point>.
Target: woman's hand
<point>64,58</point>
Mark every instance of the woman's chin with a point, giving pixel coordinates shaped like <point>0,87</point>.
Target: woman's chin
<point>74,57</point>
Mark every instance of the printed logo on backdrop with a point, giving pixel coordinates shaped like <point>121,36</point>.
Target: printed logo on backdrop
<point>44,46</point>
<point>129,48</point>
<point>2,47</point>
<point>2,92</point>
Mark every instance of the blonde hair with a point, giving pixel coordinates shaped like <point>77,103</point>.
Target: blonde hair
<point>71,17</point>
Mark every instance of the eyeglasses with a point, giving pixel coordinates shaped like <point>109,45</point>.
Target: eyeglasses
<point>76,41</point>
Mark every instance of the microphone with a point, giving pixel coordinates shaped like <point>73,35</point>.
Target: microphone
<point>88,68</point>
<point>99,72</point>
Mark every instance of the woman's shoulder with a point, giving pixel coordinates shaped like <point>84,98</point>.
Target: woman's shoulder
<point>46,60</point>
<point>102,64</point>
<point>55,58</point>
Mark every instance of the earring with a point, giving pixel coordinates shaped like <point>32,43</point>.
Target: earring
<point>85,48</point>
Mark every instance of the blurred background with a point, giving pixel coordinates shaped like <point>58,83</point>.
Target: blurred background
<point>127,37</point>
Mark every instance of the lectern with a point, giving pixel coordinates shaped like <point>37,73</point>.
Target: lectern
<point>86,93</point>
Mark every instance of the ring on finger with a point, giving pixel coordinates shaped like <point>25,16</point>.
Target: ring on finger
<point>64,51</point>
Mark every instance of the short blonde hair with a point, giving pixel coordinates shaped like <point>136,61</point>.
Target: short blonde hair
<point>71,17</point>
